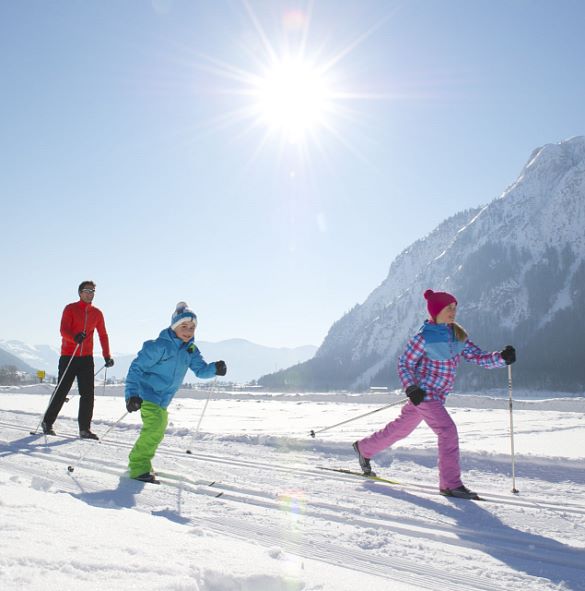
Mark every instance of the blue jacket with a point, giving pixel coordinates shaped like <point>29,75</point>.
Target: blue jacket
<point>160,367</point>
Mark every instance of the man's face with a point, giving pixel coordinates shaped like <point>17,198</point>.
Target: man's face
<point>185,330</point>
<point>87,294</point>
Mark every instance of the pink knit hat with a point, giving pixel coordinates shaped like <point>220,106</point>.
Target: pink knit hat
<point>437,300</point>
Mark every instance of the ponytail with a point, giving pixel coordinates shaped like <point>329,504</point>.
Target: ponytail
<point>459,332</point>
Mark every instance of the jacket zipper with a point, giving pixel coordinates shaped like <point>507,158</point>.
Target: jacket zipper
<point>84,328</point>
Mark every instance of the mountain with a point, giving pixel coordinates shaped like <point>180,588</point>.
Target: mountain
<point>35,356</point>
<point>517,267</point>
<point>7,359</point>
<point>246,361</point>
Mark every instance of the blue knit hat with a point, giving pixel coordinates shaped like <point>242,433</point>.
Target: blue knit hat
<point>181,314</point>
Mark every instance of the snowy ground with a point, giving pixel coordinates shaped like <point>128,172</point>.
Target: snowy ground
<point>281,524</point>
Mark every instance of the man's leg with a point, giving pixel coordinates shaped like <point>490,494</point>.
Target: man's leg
<point>154,423</point>
<point>86,392</point>
<point>65,381</point>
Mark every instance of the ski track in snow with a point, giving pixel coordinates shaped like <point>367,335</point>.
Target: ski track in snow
<point>275,495</point>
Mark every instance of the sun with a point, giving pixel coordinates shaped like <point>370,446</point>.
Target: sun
<point>293,99</point>
<point>290,89</point>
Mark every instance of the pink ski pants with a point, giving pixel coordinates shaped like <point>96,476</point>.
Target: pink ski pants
<point>435,415</point>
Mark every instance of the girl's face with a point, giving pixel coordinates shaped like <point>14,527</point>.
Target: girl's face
<point>447,314</point>
<point>185,331</point>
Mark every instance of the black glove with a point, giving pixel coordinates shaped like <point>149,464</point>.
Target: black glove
<point>508,354</point>
<point>79,337</point>
<point>109,361</point>
<point>133,403</point>
<point>416,394</point>
<point>220,368</point>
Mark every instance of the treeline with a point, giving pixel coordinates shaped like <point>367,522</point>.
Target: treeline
<point>10,375</point>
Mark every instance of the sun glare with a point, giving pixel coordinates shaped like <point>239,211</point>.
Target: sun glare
<point>292,90</point>
<point>292,99</point>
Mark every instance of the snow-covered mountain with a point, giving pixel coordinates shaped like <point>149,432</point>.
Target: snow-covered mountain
<point>517,267</point>
<point>246,361</point>
<point>34,356</point>
<point>8,359</point>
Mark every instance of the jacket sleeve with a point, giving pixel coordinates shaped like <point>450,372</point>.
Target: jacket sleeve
<point>199,367</point>
<point>474,354</point>
<point>409,360</point>
<point>103,334</point>
<point>150,354</point>
<point>67,321</point>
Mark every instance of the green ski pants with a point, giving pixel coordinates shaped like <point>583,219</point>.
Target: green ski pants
<point>154,423</point>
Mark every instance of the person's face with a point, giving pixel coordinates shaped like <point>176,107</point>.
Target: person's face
<point>87,294</point>
<point>185,331</point>
<point>447,314</point>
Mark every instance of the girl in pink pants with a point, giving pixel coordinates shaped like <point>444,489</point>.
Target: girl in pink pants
<point>427,370</point>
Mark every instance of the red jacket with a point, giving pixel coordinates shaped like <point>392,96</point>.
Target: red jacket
<point>81,317</point>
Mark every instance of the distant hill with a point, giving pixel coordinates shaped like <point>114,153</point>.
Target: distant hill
<point>7,359</point>
<point>246,361</point>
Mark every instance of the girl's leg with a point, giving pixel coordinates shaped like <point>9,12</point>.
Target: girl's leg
<point>439,420</point>
<point>154,423</point>
<point>404,425</point>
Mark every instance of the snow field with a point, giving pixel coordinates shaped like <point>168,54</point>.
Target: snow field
<point>280,522</point>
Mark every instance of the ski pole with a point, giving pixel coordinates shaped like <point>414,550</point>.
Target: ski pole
<point>82,457</point>
<point>55,390</point>
<point>200,419</point>
<point>514,489</point>
<point>105,381</point>
<point>312,433</point>
<point>100,369</point>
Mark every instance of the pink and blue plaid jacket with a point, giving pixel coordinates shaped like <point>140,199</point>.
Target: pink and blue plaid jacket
<point>431,358</point>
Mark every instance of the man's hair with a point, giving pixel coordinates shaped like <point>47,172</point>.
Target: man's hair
<point>85,284</point>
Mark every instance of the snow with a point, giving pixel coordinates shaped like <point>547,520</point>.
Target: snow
<point>281,523</point>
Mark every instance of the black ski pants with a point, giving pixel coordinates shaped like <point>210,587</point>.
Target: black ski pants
<point>82,369</point>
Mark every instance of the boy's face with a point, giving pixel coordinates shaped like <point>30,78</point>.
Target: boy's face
<point>185,331</point>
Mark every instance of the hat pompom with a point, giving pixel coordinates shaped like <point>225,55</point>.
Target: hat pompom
<point>428,294</point>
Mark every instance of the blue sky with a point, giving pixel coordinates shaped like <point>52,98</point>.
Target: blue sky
<point>139,149</point>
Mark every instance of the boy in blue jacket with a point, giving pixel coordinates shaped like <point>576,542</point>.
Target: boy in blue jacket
<point>153,380</point>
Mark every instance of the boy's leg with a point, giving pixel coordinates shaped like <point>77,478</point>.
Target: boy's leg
<point>439,420</point>
<point>404,425</point>
<point>154,423</point>
<point>85,383</point>
<point>65,384</point>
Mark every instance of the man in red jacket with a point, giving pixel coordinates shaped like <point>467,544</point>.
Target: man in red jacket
<point>78,322</point>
